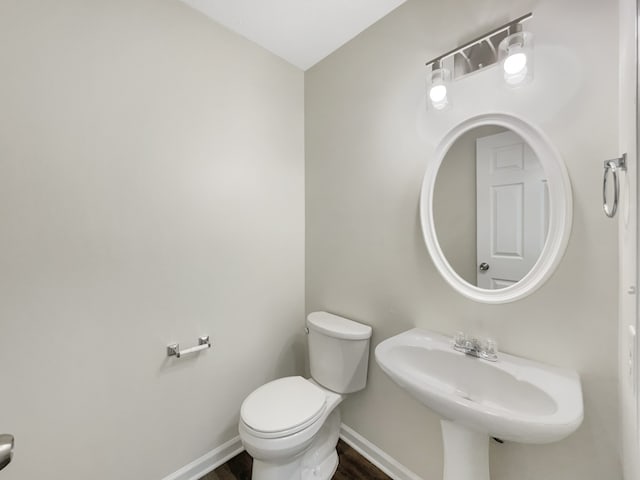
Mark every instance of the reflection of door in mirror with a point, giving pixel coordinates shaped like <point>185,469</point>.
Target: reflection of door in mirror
<point>490,206</point>
<point>512,209</point>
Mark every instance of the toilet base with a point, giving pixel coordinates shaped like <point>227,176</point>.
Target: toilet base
<point>325,470</point>
<point>294,471</point>
<point>318,462</point>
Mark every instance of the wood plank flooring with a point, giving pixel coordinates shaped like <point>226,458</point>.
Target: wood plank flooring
<point>352,466</point>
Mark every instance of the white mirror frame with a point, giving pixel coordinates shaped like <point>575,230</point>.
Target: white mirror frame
<point>560,211</point>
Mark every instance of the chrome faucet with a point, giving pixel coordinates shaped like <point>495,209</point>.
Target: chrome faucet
<point>487,349</point>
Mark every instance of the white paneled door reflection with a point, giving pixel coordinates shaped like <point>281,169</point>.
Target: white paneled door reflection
<point>512,209</point>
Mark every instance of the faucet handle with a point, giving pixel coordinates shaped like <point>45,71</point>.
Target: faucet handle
<point>489,349</point>
<point>491,346</point>
<point>460,339</point>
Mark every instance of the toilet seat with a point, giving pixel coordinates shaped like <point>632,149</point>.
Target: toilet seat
<point>283,407</point>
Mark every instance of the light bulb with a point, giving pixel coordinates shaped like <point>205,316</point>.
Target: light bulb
<point>438,93</point>
<point>516,79</point>
<point>515,63</point>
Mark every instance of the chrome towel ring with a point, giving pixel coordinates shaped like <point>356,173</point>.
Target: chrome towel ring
<point>612,166</point>
<point>6,449</point>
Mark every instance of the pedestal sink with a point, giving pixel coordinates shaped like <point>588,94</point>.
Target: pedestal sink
<point>512,399</point>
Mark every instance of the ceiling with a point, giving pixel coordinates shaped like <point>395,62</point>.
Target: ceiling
<point>302,32</point>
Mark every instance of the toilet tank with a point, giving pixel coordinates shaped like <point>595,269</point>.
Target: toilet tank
<point>338,352</point>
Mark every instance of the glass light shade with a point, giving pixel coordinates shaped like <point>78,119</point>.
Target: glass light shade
<point>438,91</point>
<point>516,57</point>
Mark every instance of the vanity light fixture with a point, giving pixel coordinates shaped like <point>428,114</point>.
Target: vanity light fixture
<point>507,44</point>
<point>438,83</point>
<point>516,56</point>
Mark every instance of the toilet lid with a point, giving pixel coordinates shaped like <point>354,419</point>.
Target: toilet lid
<point>283,406</point>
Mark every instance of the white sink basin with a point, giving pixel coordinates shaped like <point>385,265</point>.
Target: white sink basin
<point>511,399</point>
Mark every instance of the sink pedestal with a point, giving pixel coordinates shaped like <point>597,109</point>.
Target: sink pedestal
<point>466,453</point>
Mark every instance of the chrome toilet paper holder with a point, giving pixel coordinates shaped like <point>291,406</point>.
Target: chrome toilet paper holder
<point>173,350</point>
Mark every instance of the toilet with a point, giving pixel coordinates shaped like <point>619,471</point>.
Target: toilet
<point>290,426</point>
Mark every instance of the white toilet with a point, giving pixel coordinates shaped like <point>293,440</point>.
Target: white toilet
<point>290,426</point>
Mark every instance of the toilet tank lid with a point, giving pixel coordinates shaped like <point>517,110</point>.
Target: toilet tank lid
<point>338,327</point>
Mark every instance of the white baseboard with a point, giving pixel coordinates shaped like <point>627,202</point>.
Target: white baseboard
<point>208,462</point>
<point>375,455</point>
<point>216,457</point>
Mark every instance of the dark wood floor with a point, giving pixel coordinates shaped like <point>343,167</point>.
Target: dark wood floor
<point>352,466</point>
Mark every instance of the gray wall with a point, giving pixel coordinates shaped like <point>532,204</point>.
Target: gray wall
<point>369,138</point>
<point>151,191</point>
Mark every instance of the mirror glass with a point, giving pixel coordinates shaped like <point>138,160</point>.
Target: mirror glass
<point>491,207</point>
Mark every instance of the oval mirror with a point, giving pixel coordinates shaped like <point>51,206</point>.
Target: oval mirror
<point>496,208</point>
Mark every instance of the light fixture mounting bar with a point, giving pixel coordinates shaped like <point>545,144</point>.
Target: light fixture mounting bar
<point>488,37</point>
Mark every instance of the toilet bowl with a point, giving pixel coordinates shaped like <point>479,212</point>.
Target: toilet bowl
<point>290,426</point>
